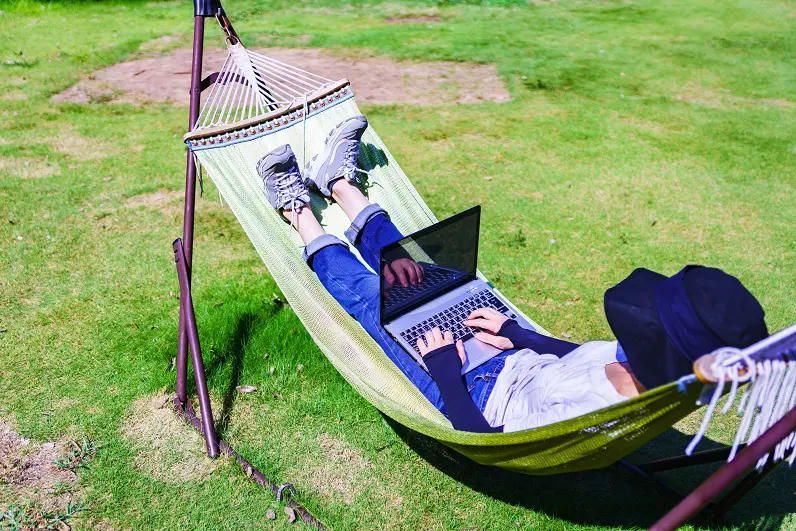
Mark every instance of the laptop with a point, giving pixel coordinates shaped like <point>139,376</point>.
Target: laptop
<point>448,253</point>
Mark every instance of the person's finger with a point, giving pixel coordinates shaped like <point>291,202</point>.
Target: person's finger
<point>421,346</point>
<point>401,274</point>
<point>447,337</point>
<point>437,336</point>
<point>388,276</point>
<point>418,272</point>
<point>430,339</point>
<point>460,350</point>
<point>500,342</point>
<point>479,312</point>
<point>484,324</point>
<point>411,273</point>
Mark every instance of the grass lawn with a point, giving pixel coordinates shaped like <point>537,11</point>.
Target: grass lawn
<point>640,134</point>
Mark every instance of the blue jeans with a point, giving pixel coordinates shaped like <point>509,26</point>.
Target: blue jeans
<point>357,290</point>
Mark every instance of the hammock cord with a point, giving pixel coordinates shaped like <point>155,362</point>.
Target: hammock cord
<point>769,369</point>
<point>250,84</point>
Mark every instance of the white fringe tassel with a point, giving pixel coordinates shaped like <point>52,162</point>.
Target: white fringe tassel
<point>769,395</point>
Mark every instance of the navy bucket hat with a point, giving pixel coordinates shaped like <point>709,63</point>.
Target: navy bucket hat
<point>665,323</point>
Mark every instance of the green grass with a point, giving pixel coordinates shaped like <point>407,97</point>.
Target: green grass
<point>687,157</point>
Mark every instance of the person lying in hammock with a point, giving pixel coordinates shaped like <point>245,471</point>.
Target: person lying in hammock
<point>662,324</point>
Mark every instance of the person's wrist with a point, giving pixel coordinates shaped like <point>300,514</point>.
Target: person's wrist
<point>443,362</point>
<point>507,326</point>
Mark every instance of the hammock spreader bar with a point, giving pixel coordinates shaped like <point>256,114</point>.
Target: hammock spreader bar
<point>255,94</point>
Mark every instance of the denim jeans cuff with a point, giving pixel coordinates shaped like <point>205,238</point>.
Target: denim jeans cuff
<point>325,240</point>
<point>352,233</point>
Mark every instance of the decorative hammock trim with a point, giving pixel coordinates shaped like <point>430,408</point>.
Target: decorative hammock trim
<point>317,101</point>
<point>768,370</point>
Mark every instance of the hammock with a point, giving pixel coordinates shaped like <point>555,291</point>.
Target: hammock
<point>257,104</point>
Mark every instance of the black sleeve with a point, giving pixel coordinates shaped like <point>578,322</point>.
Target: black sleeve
<point>523,338</point>
<point>445,367</point>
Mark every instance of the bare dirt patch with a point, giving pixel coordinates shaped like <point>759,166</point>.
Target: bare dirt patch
<point>28,469</point>
<point>376,80</point>
<point>29,167</point>
<point>166,448</point>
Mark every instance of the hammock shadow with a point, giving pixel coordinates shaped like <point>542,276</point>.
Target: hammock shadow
<point>607,497</point>
<point>370,157</point>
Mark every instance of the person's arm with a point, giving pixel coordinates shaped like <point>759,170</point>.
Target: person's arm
<point>523,338</point>
<point>444,361</point>
<point>504,333</point>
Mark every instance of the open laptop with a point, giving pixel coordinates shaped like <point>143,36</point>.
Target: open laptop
<point>450,291</point>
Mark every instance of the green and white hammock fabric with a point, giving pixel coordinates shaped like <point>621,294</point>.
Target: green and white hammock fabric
<point>259,104</point>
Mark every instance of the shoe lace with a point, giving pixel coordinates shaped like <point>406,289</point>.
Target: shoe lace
<point>288,190</point>
<point>349,169</point>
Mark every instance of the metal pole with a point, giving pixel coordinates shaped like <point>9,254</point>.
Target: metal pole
<point>190,199</point>
<point>186,303</point>
<point>699,458</point>
<point>727,474</point>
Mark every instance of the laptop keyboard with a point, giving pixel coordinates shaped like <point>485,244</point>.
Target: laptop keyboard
<point>451,318</point>
<point>432,277</point>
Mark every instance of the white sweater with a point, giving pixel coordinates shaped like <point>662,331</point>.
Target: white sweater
<point>537,389</point>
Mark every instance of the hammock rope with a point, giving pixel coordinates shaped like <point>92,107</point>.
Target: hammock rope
<point>768,371</point>
<point>251,84</point>
<point>275,104</point>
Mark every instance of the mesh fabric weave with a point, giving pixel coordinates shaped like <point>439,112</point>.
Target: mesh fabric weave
<point>591,441</point>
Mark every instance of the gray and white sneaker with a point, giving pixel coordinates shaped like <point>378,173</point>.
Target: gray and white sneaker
<point>338,159</point>
<point>282,181</point>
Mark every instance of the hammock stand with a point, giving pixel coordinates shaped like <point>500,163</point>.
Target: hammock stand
<point>702,498</point>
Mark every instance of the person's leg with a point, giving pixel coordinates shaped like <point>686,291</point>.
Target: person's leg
<point>345,277</point>
<point>481,380</point>
<point>371,228</point>
<point>357,290</point>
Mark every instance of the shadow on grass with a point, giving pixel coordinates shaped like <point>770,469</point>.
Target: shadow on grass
<point>231,356</point>
<point>608,497</point>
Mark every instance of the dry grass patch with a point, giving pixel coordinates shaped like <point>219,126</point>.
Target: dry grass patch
<point>29,167</point>
<point>413,19</point>
<point>166,448</point>
<point>14,96</point>
<point>162,45</point>
<point>339,474</point>
<point>78,147</point>
<point>167,202</point>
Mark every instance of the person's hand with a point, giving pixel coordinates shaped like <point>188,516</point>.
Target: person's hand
<point>436,339</point>
<point>490,321</point>
<point>403,270</point>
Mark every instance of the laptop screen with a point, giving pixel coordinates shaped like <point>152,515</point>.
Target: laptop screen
<point>447,252</point>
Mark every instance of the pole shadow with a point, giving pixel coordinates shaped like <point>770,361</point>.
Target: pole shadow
<point>229,359</point>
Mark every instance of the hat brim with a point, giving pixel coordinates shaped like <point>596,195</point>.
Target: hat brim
<point>633,317</point>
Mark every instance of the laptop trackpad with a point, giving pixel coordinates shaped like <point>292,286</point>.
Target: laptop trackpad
<point>478,353</point>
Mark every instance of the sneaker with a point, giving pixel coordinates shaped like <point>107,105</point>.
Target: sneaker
<point>338,160</point>
<point>284,188</point>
